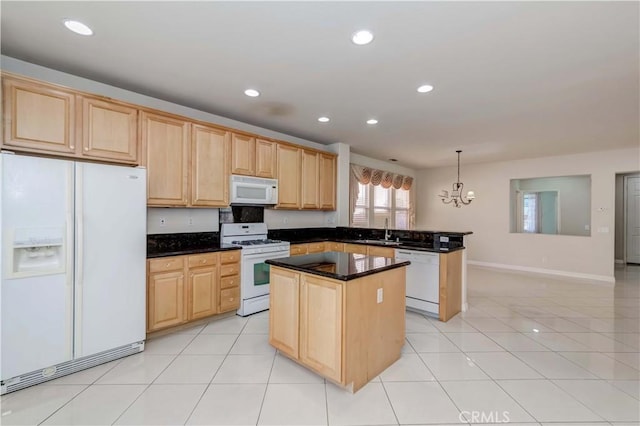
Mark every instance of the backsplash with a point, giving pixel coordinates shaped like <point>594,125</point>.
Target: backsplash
<point>163,243</point>
<point>173,220</point>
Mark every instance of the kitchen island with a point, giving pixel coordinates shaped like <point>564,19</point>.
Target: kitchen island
<point>341,315</point>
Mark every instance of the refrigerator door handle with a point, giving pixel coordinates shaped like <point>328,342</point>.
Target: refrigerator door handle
<point>79,249</point>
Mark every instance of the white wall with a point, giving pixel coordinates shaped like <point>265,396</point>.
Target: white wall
<point>488,216</point>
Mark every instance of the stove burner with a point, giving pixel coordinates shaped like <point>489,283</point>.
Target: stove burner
<point>255,242</point>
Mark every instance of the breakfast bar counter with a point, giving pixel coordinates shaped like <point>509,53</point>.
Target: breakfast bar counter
<point>341,315</point>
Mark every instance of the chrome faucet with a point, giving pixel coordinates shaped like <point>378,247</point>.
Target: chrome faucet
<point>387,233</point>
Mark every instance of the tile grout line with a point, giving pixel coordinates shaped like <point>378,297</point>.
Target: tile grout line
<point>206,388</point>
<point>266,387</point>
<point>153,381</point>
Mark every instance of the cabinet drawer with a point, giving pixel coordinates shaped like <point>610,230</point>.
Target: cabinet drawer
<point>232,281</point>
<point>230,256</point>
<point>381,251</point>
<point>297,249</point>
<point>333,246</point>
<point>315,247</point>
<point>229,299</point>
<point>205,259</point>
<point>230,269</point>
<point>166,264</point>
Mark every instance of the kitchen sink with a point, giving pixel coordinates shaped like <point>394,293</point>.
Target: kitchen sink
<point>379,242</point>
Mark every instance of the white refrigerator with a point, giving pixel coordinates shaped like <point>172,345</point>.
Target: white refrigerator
<point>73,252</point>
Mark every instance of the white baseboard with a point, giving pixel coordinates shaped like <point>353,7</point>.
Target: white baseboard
<point>600,279</point>
<point>621,261</point>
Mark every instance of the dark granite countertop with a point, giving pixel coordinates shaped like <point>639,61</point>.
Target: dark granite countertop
<point>338,265</point>
<point>163,245</point>
<point>406,245</point>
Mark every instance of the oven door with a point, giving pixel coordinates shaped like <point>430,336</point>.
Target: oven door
<point>255,273</point>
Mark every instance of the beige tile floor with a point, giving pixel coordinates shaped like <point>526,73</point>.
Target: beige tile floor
<point>530,350</point>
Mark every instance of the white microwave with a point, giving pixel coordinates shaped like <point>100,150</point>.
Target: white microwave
<point>253,190</point>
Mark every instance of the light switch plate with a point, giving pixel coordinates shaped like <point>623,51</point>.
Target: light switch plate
<point>380,296</point>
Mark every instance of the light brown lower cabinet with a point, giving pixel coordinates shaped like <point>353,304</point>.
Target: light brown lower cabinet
<point>187,288</point>
<point>337,328</point>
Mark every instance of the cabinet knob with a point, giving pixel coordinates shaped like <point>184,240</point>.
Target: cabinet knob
<point>86,149</point>
<point>71,146</point>
<point>204,260</point>
<point>168,264</point>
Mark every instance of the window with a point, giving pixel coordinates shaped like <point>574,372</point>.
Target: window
<point>530,212</point>
<point>375,204</point>
<point>538,212</point>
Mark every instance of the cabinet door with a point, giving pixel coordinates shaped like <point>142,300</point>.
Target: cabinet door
<point>167,144</point>
<point>284,311</point>
<point>202,292</point>
<point>243,155</point>
<point>321,326</point>
<point>38,117</point>
<point>209,166</point>
<point>310,180</point>
<point>265,159</point>
<point>327,182</point>
<point>109,130</point>
<point>288,176</point>
<point>165,300</point>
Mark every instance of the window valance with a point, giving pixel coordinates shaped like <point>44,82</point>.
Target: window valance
<point>368,175</point>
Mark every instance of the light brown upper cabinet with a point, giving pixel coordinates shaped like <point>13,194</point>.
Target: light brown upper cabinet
<point>310,180</point>
<point>289,162</point>
<point>47,119</point>
<point>109,130</point>
<point>38,117</point>
<point>243,155</point>
<point>253,157</point>
<point>306,178</point>
<point>167,145</point>
<point>266,159</point>
<point>209,166</point>
<point>327,181</point>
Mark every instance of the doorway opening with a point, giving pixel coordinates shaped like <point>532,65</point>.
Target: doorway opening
<point>627,218</point>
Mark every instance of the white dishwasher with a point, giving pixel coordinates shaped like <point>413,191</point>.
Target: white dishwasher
<point>423,279</point>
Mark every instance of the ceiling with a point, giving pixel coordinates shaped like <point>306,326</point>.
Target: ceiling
<point>512,79</point>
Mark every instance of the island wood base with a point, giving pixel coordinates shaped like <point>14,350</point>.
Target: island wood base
<point>337,328</point>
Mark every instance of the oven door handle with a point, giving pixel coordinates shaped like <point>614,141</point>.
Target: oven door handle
<point>265,256</point>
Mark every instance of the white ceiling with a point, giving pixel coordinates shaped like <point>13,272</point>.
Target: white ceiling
<point>512,79</point>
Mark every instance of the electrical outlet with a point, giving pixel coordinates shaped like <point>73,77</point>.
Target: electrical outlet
<point>379,296</point>
<point>190,221</point>
<point>163,221</point>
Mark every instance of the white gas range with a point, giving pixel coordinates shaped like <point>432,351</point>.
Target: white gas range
<point>254,276</point>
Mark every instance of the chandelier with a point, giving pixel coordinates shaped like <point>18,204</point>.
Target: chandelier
<point>456,196</point>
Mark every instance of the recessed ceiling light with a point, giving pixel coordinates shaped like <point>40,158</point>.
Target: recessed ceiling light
<point>372,121</point>
<point>252,93</point>
<point>78,27</point>
<point>362,37</point>
<point>425,88</point>
<point>323,119</point>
